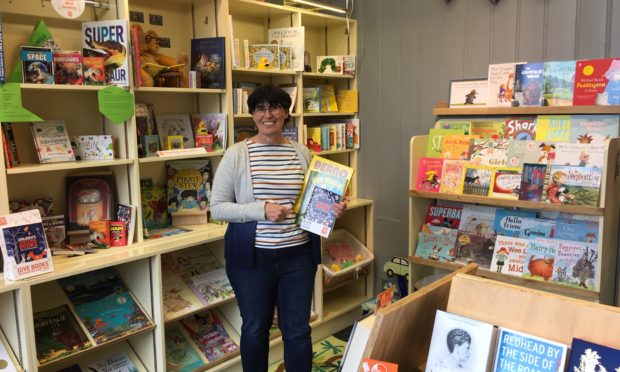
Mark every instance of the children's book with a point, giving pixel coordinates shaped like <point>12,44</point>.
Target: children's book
<point>209,334</point>
<point>436,243</point>
<point>94,70</point>
<point>54,230</point>
<point>541,257</point>
<point>518,351</point>
<point>559,81</point>
<point>501,79</point>
<point>456,146</point>
<point>115,363</point>
<point>509,255</point>
<point>491,152</point>
<point>331,179</point>
<point>149,145</point>
<point>68,67</point>
<point>118,234</point>
<point>487,129</point>
<point>91,196</point>
<point>577,265</point>
<point>349,65</point>
<point>109,39</point>
<point>588,356</point>
<point>553,128</point>
<point>568,227</point>
<point>506,183</point>
<point>352,127</point>
<point>445,216</point>
<point>40,37</point>
<point>189,186</point>
<point>210,124</point>
<point>312,99</point>
<point>574,185</point>
<point>580,154</point>
<point>58,334</point>
<point>178,299</point>
<point>25,251</point>
<point>45,206</point>
<point>145,119</point>
<point>594,129</point>
<point>175,125</point>
<point>292,37</point>
<point>208,56</point>
<point>329,97</point>
<point>329,65</point>
<point>126,213</point>
<point>460,343</point>
<point>532,228</point>
<point>510,222</point>
<point>475,246</point>
<point>37,65</point>
<point>264,56</point>
<point>100,233</point>
<point>596,82</point>
<point>452,176</point>
<point>211,287</point>
<point>52,142</point>
<point>529,84</point>
<point>520,128</point>
<point>453,124</point>
<point>181,353</point>
<point>347,100</point>
<point>533,181</point>
<point>192,262</point>
<point>429,174</point>
<point>477,180</point>
<point>528,151</point>
<point>435,140</point>
<point>95,147</point>
<point>478,218</point>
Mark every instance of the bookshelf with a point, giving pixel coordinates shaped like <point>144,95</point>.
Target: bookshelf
<point>140,264</point>
<point>606,212</point>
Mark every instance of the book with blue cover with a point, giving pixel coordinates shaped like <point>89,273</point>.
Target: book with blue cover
<point>436,243</point>
<point>509,222</point>
<point>518,351</point>
<point>589,356</point>
<point>181,353</point>
<point>532,228</point>
<point>593,128</point>
<point>580,230</point>
<point>529,84</point>
<point>559,79</point>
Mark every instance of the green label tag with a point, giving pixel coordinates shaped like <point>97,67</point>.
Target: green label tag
<point>115,104</point>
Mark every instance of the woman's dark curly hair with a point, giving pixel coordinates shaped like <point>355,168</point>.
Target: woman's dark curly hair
<point>271,94</point>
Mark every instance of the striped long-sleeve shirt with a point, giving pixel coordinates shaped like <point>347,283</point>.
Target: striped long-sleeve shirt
<point>277,177</point>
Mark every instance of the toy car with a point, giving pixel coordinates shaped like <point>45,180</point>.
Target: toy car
<point>398,265</point>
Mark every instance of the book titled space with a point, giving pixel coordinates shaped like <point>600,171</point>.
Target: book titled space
<point>441,215</point>
<point>518,351</point>
<point>37,65</point>
<point>108,39</point>
<point>208,56</point>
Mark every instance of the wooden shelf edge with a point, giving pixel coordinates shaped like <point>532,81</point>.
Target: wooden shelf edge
<point>67,165</point>
<point>509,203</point>
<point>178,90</point>
<point>531,283</point>
<point>253,71</point>
<point>326,76</point>
<point>542,110</point>
<point>157,159</point>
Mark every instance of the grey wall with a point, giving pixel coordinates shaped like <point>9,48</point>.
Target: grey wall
<point>409,50</point>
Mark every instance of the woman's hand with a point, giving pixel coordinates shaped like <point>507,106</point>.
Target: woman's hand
<point>339,208</point>
<point>276,212</point>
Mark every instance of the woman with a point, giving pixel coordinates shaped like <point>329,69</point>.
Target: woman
<point>270,261</point>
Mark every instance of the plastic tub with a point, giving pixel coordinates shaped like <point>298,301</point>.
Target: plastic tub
<point>342,240</point>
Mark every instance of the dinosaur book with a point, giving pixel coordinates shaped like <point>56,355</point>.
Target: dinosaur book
<point>108,39</point>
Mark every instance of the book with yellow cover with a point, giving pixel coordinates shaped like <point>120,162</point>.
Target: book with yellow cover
<point>329,95</point>
<point>347,100</point>
<point>456,146</point>
<point>325,184</point>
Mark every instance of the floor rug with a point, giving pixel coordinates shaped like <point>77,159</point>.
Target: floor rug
<point>327,355</point>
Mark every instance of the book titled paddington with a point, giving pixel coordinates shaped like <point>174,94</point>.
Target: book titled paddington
<point>208,56</point>
<point>58,334</point>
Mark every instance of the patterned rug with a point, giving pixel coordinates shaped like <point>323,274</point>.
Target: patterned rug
<point>327,356</point>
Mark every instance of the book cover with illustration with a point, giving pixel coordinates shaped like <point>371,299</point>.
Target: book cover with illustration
<point>443,215</point>
<point>429,174</point>
<point>94,70</point>
<point>312,99</point>
<point>108,39</point>
<point>92,285</point>
<point>509,222</point>
<point>211,287</point>
<point>95,147</point>
<point>114,363</point>
<point>573,185</point>
<point>181,353</point>
<point>352,127</point>
<point>435,140</point>
<point>452,176</point>
<point>330,65</point>
<point>126,213</point>
<point>213,124</point>
<point>55,232</point>
<point>51,141</point>
<point>25,252</point>
<point>476,246</point>
<point>68,67</point>
<point>593,129</point>
<point>292,37</point>
<point>491,152</point>
<point>58,334</point>
<point>460,343</point>
<point>45,206</point>
<point>208,56</point>
<point>478,218</point>
<point>477,180</point>
<point>518,351</point>
<point>532,228</point>
<point>453,124</point>
<point>264,56</point>
<point>520,128</point>
<point>209,334</point>
<point>580,154</point>
<point>597,82</point>
<point>175,125</point>
<point>37,65</point>
<point>577,265</point>
<point>191,262</point>
<point>189,186</point>
<point>509,255</point>
<point>541,257</point>
<point>569,227</point>
<point>456,146</point>
<point>436,243</point>
<point>91,196</point>
<point>178,299</point>
<point>488,129</point>
<point>529,84</point>
<point>506,183</point>
<point>319,216</point>
<point>533,181</point>
<point>559,81</point>
<point>501,79</point>
<point>529,151</point>
<point>553,128</point>
<point>154,206</point>
<point>589,356</point>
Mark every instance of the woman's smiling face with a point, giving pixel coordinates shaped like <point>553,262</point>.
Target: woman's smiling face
<point>269,120</point>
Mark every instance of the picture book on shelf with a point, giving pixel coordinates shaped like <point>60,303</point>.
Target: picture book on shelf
<point>453,124</point>
<point>451,176</point>
<point>533,181</point>
<point>476,180</point>
<point>573,185</point>
<point>126,213</point>
<point>576,265</point>
<point>191,262</point>
<point>596,82</point>
<point>506,183</point>
<point>460,343</point>
<point>91,196</point>
<point>37,65</point>
<point>54,230</point>
<point>477,218</point>
<point>475,246</point>
<point>532,228</point>
<point>435,140</point>
<point>436,243</point>
<point>456,146</point>
<point>510,222</point>
<point>175,125</point>
<point>25,251</point>
<point>559,81</point>
<point>319,216</point>
<point>429,174</point>
<point>501,79</point>
<point>154,206</point>
<point>114,363</point>
<point>189,186</point>
<point>109,39</point>
<point>58,334</point>
<point>553,128</point>
<point>509,255</point>
<point>45,206</point>
<point>211,287</point>
<point>529,84</point>
<point>581,230</point>
<point>329,65</point>
<point>41,37</point>
<point>520,128</point>
<point>208,56</point>
<point>590,356</point>
<point>94,70</point>
<point>594,129</point>
<point>68,67</point>
<point>518,351</point>
<point>213,124</point>
<point>491,152</point>
<point>95,147</point>
<point>52,142</point>
<point>352,127</point>
<point>181,353</point>
<point>541,257</point>
<point>178,299</point>
<point>446,216</point>
<point>210,336</point>
<point>312,99</point>
<point>293,37</point>
<point>580,154</point>
<point>487,129</point>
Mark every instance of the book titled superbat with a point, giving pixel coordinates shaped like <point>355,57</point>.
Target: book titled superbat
<point>108,39</point>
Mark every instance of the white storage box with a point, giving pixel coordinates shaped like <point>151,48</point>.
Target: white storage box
<point>344,239</point>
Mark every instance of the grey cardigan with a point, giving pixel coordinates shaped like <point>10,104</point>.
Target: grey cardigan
<point>232,196</point>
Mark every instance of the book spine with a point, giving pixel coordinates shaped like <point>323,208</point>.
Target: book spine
<point>12,144</point>
<point>246,51</point>
<point>7,156</point>
<point>2,73</point>
<point>135,36</point>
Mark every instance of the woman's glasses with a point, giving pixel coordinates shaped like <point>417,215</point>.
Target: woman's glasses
<point>273,110</point>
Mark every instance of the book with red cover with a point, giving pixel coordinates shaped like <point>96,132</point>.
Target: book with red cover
<point>597,82</point>
<point>429,174</point>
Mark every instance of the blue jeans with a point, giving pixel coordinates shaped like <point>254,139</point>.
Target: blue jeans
<point>283,278</point>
